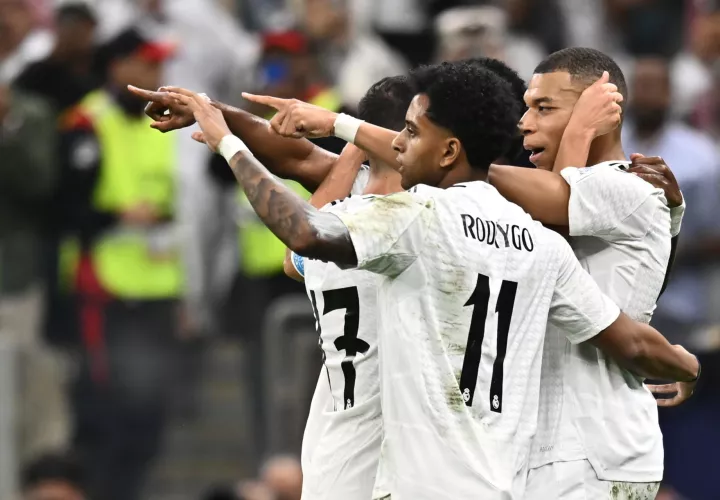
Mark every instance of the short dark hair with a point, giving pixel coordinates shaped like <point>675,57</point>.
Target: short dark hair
<point>385,104</point>
<point>586,65</point>
<point>53,467</point>
<point>516,154</point>
<point>474,103</point>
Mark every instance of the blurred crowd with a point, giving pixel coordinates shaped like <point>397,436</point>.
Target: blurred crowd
<point>125,253</point>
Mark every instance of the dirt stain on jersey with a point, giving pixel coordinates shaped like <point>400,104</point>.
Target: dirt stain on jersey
<point>633,491</point>
<point>454,399</point>
<point>453,396</point>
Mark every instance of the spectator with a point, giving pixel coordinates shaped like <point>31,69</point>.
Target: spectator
<point>53,477</point>
<point>541,19</point>
<point>27,180</point>
<point>707,111</point>
<point>22,40</point>
<point>283,476</point>
<point>216,55</point>
<point>66,75</point>
<point>120,176</point>
<point>649,26</point>
<point>686,308</point>
<point>63,78</point>
<point>694,159</point>
<point>351,59</point>
<point>467,32</point>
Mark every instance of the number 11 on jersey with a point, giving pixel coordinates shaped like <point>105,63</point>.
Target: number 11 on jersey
<point>480,299</point>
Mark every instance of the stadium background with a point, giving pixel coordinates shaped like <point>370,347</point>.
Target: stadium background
<point>230,387</point>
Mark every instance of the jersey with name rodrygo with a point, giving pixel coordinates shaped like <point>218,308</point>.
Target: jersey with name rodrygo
<point>469,281</point>
<point>590,408</point>
<point>343,434</point>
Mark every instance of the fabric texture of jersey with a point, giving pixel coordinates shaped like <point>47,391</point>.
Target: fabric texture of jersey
<point>576,480</point>
<point>469,281</point>
<point>590,408</point>
<point>343,434</point>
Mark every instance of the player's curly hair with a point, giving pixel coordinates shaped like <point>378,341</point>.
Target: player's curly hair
<point>472,102</point>
<point>503,71</point>
<point>517,155</point>
<point>386,102</point>
<point>586,65</point>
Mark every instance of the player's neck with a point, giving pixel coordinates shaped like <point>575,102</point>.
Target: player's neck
<point>463,173</point>
<point>383,180</point>
<point>606,148</point>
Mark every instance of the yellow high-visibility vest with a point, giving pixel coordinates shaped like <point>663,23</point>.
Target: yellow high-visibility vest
<point>138,165</point>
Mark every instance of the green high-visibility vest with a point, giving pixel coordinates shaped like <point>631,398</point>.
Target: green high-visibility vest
<point>138,165</point>
<point>261,252</point>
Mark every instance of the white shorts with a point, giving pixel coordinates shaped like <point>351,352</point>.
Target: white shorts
<point>341,449</point>
<point>577,480</point>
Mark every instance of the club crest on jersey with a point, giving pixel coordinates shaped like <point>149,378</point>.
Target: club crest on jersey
<point>496,402</point>
<point>466,395</point>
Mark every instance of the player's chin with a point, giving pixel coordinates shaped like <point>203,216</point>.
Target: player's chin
<point>406,182</point>
<point>543,161</point>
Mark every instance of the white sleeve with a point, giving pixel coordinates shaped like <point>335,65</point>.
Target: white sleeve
<point>388,232</point>
<point>578,306</point>
<point>609,203</point>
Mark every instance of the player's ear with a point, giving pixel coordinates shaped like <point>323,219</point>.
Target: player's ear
<point>451,152</point>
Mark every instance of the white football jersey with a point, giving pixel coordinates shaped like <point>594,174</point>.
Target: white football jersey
<point>469,281</point>
<point>590,408</point>
<point>343,434</point>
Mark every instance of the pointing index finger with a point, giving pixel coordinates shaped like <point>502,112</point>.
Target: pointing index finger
<point>273,102</point>
<point>149,95</point>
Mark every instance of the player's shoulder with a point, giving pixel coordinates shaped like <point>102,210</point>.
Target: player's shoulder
<point>420,194</point>
<point>344,204</point>
<point>609,176</point>
<point>600,170</point>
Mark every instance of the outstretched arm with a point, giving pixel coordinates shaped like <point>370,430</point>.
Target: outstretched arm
<point>296,159</point>
<point>300,226</point>
<point>297,119</point>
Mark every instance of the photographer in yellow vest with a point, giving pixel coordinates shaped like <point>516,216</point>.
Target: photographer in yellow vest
<point>120,188</point>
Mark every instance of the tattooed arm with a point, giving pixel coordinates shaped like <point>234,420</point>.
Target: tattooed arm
<point>301,227</point>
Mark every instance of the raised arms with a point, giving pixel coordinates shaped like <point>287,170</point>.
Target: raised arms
<point>300,226</point>
<point>295,159</point>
